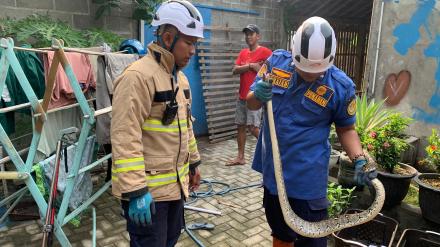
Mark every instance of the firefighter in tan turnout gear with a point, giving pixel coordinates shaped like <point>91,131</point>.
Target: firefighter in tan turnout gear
<point>154,150</point>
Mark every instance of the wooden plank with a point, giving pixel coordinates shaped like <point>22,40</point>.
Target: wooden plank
<point>229,133</point>
<point>223,123</point>
<point>216,106</point>
<point>222,80</point>
<point>220,99</point>
<point>222,93</point>
<point>217,140</point>
<point>216,112</point>
<point>221,118</point>
<point>202,48</point>
<point>230,61</point>
<point>219,130</point>
<point>232,42</point>
<point>205,80</point>
<point>218,42</point>
<point>219,48</point>
<point>222,86</point>
<point>232,81</point>
<point>229,73</point>
<point>205,67</point>
<point>218,54</point>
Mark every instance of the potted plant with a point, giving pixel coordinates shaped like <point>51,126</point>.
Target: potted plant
<point>429,183</point>
<point>339,198</point>
<point>369,115</point>
<point>386,144</point>
<point>381,230</point>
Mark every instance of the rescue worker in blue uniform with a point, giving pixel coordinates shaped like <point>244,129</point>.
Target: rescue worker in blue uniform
<point>308,94</point>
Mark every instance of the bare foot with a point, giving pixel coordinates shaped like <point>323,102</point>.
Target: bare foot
<point>236,162</point>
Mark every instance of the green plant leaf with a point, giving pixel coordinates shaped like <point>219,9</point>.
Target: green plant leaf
<point>38,31</point>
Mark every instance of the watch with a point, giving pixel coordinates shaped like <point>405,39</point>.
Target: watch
<point>357,156</point>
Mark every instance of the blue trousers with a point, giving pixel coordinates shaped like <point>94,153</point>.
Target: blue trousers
<point>165,229</point>
<point>314,210</point>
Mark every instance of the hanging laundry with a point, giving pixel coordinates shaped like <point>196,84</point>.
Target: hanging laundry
<point>7,120</point>
<point>63,93</point>
<point>34,71</point>
<point>94,63</point>
<point>5,95</point>
<point>56,121</point>
<point>94,58</point>
<point>110,67</point>
<point>83,187</point>
<point>115,64</point>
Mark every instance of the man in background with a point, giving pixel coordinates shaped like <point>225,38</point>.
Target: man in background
<point>248,63</point>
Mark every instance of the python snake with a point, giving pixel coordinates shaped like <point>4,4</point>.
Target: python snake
<point>325,227</point>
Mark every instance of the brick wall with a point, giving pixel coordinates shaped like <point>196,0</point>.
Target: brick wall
<point>78,13</point>
<point>81,14</point>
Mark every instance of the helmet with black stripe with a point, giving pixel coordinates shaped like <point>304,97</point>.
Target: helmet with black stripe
<point>314,45</point>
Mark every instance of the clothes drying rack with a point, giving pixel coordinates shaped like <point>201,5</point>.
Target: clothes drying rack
<point>39,111</point>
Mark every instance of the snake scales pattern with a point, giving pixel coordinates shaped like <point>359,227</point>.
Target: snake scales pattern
<point>325,227</point>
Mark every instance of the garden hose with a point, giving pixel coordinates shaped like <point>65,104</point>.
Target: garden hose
<point>211,192</point>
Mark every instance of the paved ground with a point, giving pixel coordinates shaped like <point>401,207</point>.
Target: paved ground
<point>242,222</point>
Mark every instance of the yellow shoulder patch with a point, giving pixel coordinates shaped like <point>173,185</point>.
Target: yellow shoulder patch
<point>280,78</point>
<point>351,109</point>
<point>262,71</point>
<point>282,73</point>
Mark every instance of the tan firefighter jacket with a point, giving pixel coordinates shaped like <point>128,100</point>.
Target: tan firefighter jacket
<point>146,153</point>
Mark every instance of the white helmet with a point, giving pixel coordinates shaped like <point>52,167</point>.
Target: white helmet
<point>181,14</point>
<point>314,45</point>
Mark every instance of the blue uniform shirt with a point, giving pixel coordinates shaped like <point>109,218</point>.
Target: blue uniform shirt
<point>303,113</point>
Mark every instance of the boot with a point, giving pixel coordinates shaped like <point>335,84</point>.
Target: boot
<point>280,243</point>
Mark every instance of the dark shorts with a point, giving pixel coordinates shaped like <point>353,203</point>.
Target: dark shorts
<point>167,224</point>
<point>313,210</point>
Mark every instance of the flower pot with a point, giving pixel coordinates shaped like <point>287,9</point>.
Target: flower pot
<point>409,155</point>
<point>396,185</point>
<point>416,238</point>
<point>334,157</point>
<point>429,197</point>
<point>378,232</point>
<point>333,164</point>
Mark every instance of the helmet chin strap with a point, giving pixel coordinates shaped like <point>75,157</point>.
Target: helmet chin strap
<point>161,43</point>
